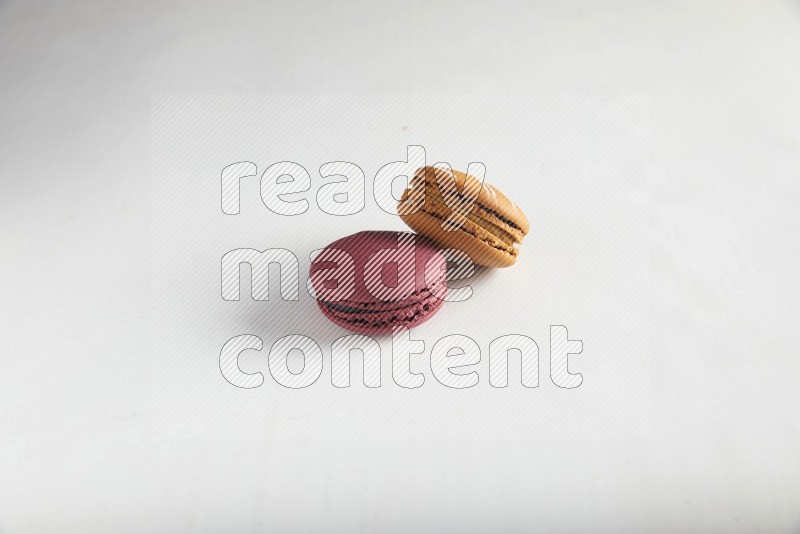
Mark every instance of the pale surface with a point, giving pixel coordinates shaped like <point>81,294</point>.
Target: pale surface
<point>710,442</point>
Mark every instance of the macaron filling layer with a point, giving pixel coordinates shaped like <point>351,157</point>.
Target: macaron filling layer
<point>436,209</point>
<point>385,315</point>
<point>503,233</point>
<point>350,306</point>
<point>480,214</point>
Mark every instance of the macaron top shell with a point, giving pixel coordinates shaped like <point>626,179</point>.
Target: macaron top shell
<point>371,281</point>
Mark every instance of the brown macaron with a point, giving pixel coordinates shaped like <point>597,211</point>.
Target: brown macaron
<point>491,230</point>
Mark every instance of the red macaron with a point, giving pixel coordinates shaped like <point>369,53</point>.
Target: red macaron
<point>372,282</point>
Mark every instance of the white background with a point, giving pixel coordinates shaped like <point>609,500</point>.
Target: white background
<point>82,448</point>
<point>578,165</point>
